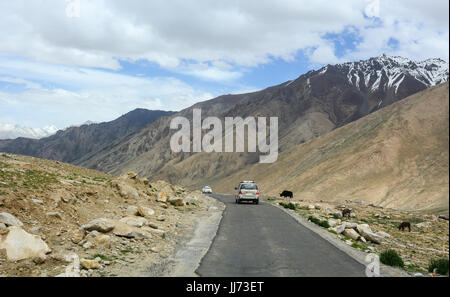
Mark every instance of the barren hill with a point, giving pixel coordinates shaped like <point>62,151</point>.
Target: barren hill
<point>312,105</point>
<point>396,157</point>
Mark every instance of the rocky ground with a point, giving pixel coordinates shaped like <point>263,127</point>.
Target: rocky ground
<point>374,229</point>
<point>61,220</point>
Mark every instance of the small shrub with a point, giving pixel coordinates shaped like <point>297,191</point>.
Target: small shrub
<point>288,205</point>
<point>391,258</point>
<point>441,265</point>
<point>332,231</point>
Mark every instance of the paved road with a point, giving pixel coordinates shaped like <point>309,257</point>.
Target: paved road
<point>262,240</point>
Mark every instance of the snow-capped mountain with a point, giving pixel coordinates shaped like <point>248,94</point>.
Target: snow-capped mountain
<point>385,72</point>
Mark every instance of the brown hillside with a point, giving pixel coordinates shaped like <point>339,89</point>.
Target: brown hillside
<point>397,157</point>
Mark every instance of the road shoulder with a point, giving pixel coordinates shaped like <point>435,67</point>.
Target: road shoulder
<point>190,252</point>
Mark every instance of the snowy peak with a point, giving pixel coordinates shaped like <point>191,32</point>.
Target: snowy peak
<point>389,72</point>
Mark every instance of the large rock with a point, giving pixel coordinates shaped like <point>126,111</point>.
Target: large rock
<point>145,211</point>
<point>339,229</point>
<point>132,211</point>
<point>9,220</point>
<point>332,222</point>
<point>134,221</point>
<point>176,201</point>
<point>383,234</point>
<point>163,196</point>
<point>351,233</point>
<point>128,231</point>
<point>21,245</point>
<point>127,191</point>
<point>89,264</point>
<point>365,231</point>
<point>101,225</point>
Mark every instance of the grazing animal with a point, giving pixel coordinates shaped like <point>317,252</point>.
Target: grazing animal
<point>346,213</point>
<point>286,193</point>
<point>404,225</point>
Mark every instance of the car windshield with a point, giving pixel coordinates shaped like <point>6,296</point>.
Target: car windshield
<point>249,187</point>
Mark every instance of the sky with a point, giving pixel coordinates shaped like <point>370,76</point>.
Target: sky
<point>65,62</point>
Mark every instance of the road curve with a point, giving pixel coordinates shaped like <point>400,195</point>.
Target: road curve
<point>261,240</point>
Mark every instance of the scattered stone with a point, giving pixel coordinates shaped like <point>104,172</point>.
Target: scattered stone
<point>145,211</point>
<point>9,220</point>
<point>154,250</point>
<point>311,206</point>
<point>2,226</point>
<point>351,233</point>
<point>365,231</point>
<point>89,264</point>
<point>134,221</point>
<point>21,245</point>
<point>190,199</point>
<point>40,259</point>
<point>37,201</point>
<point>176,201</point>
<point>132,211</point>
<point>332,222</point>
<point>161,218</point>
<point>153,225</point>
<point>88,245</point>
<point>337,214</point>
<point>163,197</point>
<point>383,234</point>
<point>53,214</point>
<point>317,206</point>
<point>73,269</point>
<point>102,225</point>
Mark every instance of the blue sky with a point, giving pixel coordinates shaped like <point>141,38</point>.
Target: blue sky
<point>67,62</point>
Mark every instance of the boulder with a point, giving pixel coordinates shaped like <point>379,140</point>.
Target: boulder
<point>21,245</point>
<point>339,229</point>
<point>351,233</point>
<point>383,234</point>
<point>163,196</point>
<point>128,231</point>
<point>134,221</point>
<point>101,225</point>
<point>132,211</point>
<point>332,222</point>
<point>317,206</point>
<point>9,220</point>
<point>161,218</point>
<point>364,231</point>
<point>176,201</point>
<point>349,225</point>
<point>145,211</point>
<point>89,264</point>
<point>311,206</point>
<point>127,191</point>
<point>190,200</point>
<point>337,214</point>
<point>2,226</point>
<point>153,225</point>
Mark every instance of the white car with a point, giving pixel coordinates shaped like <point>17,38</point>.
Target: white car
<point>207,190</point>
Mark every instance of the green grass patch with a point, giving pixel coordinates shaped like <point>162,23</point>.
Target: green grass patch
<point>288,205</point>
<point>441,266</point>
<point>321,223</point>
<point>391,258</point>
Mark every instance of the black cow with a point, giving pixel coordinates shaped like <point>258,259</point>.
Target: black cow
<point>288,194</point>
<point>405,225</point>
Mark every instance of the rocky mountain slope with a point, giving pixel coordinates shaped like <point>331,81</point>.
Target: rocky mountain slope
<point>71,144</point>
<point>312,105</point>
<point>56,218</point>
<point>397,157</point>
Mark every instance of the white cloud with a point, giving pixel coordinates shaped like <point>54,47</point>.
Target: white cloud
<point>78,94</point>
<point>9,131</point>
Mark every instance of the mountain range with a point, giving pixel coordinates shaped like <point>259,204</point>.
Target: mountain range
<point>72,143</point>
<point>311,106</point>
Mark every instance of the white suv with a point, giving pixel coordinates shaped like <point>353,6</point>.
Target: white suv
<point>207,190</point>
<point>247,191</point>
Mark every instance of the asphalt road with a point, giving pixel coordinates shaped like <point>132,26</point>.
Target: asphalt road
<point>261,240</point>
